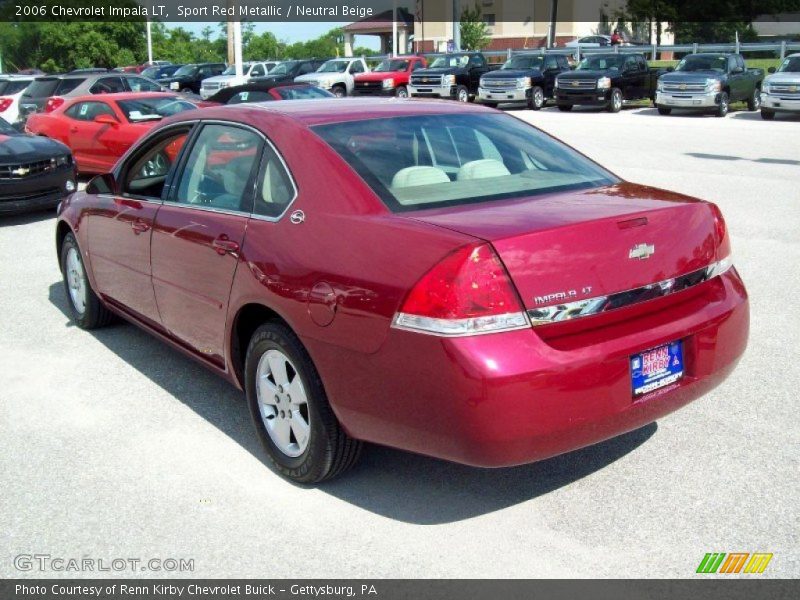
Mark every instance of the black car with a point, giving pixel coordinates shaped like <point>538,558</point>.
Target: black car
<point>157,72</point>
<point>606,81</point>
<point>267,91</point>
<point>35,172</point>
<point>527,78</point>
<point>288,70</point>
<point>455,76</point>
<point>189,77</point>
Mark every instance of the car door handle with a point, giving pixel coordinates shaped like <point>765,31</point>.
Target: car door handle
<point>222,245</point>
<point>139,227</point>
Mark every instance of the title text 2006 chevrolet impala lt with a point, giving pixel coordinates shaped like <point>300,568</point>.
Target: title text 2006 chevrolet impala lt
<point>436,277</point>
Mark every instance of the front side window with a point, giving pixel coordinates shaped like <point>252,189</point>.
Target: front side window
<point>453,60</point>
<point>703,63</point>
<point>88,111</point>
<point>140,84</point>
<point>790,65</point>
<point>145,173</point>
<point>517,63</point>
<point>218,172</point>
<point>186,71</point>
<point>601,63</point>
<point>420,162</point>
<point>333,66</point>
<point>391,65</point>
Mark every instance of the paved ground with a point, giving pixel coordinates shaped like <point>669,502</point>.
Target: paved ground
<point>113,445</point>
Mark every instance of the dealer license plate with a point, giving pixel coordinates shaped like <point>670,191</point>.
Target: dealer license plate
<point>656,368</point>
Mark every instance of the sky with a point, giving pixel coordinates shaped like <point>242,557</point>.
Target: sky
<point>291,31</point>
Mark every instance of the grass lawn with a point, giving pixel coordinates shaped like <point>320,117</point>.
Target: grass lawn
<point>753,63</point>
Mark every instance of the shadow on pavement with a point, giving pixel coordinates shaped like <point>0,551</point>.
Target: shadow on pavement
<point>727,157</point>
<point>27,218</point>
<point>395,484</point>
<point>756,116</point>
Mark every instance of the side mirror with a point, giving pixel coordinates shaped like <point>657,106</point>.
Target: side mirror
<point>670,69</point>
<point>771,70</point>
<point>102,184</point>
<point>737,70</point>
<point>106,120</point>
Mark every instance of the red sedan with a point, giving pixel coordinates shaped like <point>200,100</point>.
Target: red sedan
<point>100,128</point>
<point>436,277</point>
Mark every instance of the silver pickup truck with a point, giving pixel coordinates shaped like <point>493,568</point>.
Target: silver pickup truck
<point>781,90</point>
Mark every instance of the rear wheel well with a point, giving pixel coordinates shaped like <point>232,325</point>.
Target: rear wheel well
<point>62,229</point>
<point>249,318</point>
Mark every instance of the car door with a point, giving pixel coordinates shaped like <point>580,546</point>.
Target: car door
<point>734,79</point>
<point>120,227</point>
<point>477,67</point>
<point>551,69</point>
<point>86,138</point>
<point>198,234</point>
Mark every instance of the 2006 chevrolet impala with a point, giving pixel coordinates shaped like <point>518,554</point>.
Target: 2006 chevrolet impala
<point>436,277</point>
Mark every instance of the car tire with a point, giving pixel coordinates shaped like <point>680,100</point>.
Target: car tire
<point>664,110</point>
<point>339,91</point>
<point>85,307</point>
<point>186,90</point>
<point>277,366</point>
<point>565,107</point>
<point>767,115</point>
<point>401,92</point>
<point>462,94</point>
<point>615,102</point>
<point>724,106</point>
<point>537,98</point>
<point>754,102</point>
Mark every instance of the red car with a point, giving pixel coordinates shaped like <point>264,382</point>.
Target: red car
<point>437,277</point>
<point>100,128</point>
<point>390,78</point>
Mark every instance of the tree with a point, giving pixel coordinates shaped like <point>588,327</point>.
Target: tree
<point>474,32</point>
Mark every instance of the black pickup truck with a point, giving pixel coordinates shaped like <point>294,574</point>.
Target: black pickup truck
<point>528,78</point>
<point>710,82</point>
<point>455,76</point>
<point>607,80</point>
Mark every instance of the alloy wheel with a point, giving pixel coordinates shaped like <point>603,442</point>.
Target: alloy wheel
<point>283,403</point>
<point>538,97</point>
<point>76,280</point>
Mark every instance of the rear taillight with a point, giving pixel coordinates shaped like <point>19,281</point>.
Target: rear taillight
<point>53,103</point>
<point>5,103</point>
<point>721,233</point>
<point>468,293</point>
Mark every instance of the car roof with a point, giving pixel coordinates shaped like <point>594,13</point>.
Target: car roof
<point>122,96</point>
<point>334,110</point>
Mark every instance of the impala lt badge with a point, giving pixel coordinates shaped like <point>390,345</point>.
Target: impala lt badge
<point>642,251</point>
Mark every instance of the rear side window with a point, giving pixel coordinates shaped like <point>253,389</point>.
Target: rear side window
<point>107,85</point>
<point>219,171</point>
<point>68,85</point>
<point>42,88</point>
<point>274,188</point>
<point>87,111</point>
<point>443,160</point>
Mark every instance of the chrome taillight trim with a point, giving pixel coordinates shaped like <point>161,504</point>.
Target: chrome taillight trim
<point>461,327</point>
<point>568,311</point>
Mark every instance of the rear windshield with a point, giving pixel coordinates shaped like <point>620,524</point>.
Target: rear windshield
<point>10,87</point>
<point>250,96</point>
<point>41,88</point>
<point>153,109</point>
<point>430,161</point>
<point>301,93</point>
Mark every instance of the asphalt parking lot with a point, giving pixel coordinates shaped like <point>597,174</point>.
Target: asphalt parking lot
<point>113,445</point>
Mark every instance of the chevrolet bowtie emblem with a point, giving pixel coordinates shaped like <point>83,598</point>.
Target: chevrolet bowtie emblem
<point>792,88</point>
<point>642,251</point>
<point>575,83</point>
<point>21,171</point>
<point>683,86</point>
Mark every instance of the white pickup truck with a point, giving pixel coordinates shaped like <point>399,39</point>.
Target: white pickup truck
<point>212,85</point>
<point>780,91</point>
<point>336,75</point>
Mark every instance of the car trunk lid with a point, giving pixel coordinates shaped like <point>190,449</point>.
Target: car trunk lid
<point>578,245</point>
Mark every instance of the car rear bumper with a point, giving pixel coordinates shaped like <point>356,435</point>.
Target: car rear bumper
<point>35,193</point>
<point>500,95</point>
<point>779,104</point>
<point>517,397</point>
<point>583,97</point>
<point>707,100</point>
